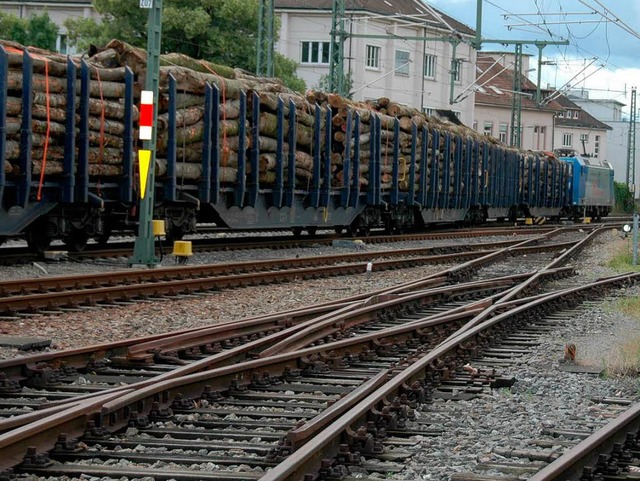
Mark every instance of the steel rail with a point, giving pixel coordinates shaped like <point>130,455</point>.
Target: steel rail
<point>115,413</point>
<point>307,459</point>
<point>570,466</point>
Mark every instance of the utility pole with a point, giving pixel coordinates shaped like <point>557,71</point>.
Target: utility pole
<point>266,38</point>
<point>631,144</point>
<point>337,82</point>
<point>144,251</point>
<point>516,105</point>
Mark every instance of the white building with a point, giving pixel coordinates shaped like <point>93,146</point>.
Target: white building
<point>58,11</point>
<point>610,112</point>
<point>407,57</point>
<point>578,130</point>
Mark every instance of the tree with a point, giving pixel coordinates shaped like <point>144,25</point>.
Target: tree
<point>623,197</point>
<point>37,30</point>
<point>221,31</point>
<point>323,83</point>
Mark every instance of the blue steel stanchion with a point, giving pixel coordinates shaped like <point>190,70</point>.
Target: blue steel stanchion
<point>82,163</point>
<point>214,116</point>
<point>69,135</point>
<point>126,184</point>
<point>26,137</point>
<point>279,185</point>
<point>241,179</point>
<point>354,197</point>
<point>205,182</point>
<point>254,175</point>
<point>4,70</point>
<point>171,183</point>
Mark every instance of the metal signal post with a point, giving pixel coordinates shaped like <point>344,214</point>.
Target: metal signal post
<point>144,251</point>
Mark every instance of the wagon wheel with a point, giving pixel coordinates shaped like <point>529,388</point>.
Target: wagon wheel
<point>77,240</point>
<point>38,238</point>
<point>312,231</point>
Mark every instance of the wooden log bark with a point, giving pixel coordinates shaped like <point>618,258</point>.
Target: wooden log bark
<point>193,171</point>
<point>58,85</point>
<point>104,170</point>
<point>194,133</point>
<point>268,125</point>
<point>112,109</point>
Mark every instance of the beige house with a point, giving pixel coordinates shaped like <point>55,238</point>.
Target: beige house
<point>578,130</point>
<point>494,100</point>
<point>58,11</point>
<point>408,56</point>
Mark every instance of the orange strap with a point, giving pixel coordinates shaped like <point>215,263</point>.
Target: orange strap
<point>46,139</point>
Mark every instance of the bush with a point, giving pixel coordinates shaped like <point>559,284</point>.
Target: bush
<point>624,198</point>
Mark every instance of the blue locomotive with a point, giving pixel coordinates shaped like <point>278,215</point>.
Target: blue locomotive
<point>592,192</point>
<point>73,177</point>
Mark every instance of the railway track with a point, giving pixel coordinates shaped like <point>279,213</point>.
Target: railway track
<point>93,369</point>
<point>50,293</point>
<point>19,255</point>
<point>353,397</point>
<point>237,407</point>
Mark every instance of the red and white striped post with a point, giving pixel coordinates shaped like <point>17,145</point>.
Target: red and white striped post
<point>146,133</point>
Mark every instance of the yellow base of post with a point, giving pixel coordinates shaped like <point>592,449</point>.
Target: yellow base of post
<point>158,228</point>
<point>528,221</point>
<point>586,220</point>
<point>182,249</point>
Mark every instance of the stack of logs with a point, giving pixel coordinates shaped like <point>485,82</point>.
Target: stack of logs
<point>106,122</point>
<point>48,110</point>
<point>192,76</point>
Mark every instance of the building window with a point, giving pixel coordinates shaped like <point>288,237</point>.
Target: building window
<point>575,114</point>
<point>567,140</point>
<point>456,66</point>
<point>584,137</point>
<point>561,115</point>
<point>488,128</point>
<point>402,62</point>
<point>475,125</point>
<point>373,56</point>
<point>502,134</point>
<point>430,66</point>
<point>429,112</point>
<point>61,43</point>
<point>596,148</point>
<point>315,53</point>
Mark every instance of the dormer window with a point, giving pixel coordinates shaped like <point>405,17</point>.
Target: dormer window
<point>561,115</point>
<point>575,114</point>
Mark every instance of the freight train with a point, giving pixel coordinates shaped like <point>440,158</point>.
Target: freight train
<point>255,158</point>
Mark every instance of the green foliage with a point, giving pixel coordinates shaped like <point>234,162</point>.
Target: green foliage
<point>37,30</point>
<point>623,259</point>
<point>323,83</point>
<point>285,69</point>
<point>624,198</point>
<point>220,31</point>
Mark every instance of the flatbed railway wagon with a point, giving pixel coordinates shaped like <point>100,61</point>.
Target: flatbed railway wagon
<point>254,159</point>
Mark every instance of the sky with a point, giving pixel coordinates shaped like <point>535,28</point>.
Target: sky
<point>601,56</point>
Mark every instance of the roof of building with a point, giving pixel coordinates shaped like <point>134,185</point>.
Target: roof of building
<point>388,7</point>
<point>584,120</point>
<point>496,87</point>
<point>577,98</point>
<point>84,3</point>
